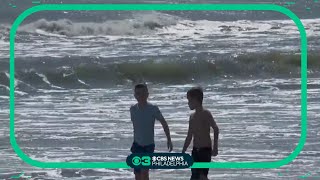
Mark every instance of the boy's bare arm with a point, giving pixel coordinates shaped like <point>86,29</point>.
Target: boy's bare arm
<point>167,131</point>
<point>188,138</point>
<point>215,128</point>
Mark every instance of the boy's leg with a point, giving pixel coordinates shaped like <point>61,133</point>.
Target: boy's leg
<point>204,173</point>
<point>195,173</point>
<point>135,148</point>
<point>202,177</point>
<point>145,174</point>
<point>142,174</point>
<point>148,149</point>
<point>138,175</point>
<point>204,156</point>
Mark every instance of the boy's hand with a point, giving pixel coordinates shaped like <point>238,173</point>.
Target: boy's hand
<point>214,152</point>
<point>170,146</point>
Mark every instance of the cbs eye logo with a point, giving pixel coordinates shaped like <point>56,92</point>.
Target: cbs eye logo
<point>144,161</point>
<point>136,161</point>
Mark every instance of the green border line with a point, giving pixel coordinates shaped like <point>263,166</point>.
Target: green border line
<point>163,7</point>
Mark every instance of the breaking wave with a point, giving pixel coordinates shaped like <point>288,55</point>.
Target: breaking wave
<point>140,25</point>
<point>93,74</point>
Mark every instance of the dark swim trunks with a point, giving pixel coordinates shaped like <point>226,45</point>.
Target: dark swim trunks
<point>200,155</point>
<point>136,148</point>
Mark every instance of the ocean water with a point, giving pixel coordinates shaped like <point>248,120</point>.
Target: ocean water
<point>75,71</point>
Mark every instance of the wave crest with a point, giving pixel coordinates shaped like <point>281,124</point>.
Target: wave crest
<point>140,25</point>
<point>93,73</point>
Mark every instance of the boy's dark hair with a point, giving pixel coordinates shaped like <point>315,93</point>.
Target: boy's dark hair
<point>196,92</point>
<point>138,86</point>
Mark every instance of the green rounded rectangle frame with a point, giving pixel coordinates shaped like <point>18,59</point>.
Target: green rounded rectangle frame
<point>163,7</point>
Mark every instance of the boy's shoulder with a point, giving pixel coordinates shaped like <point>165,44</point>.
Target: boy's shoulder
<point>133,106</point>
<point>206,111</point>
<point>150,105</point>
<point>207,114</point>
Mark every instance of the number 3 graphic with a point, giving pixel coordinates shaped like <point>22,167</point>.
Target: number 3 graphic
<point>146,161</point>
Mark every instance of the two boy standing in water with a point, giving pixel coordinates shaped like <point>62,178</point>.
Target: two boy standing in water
<point>143,116</point>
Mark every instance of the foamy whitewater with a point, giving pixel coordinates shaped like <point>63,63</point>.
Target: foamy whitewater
<point>74,81</point>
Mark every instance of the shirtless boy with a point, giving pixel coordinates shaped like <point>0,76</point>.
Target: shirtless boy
<point>199,129</point>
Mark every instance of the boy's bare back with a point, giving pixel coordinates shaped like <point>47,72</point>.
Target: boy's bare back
<point>199,124</point>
